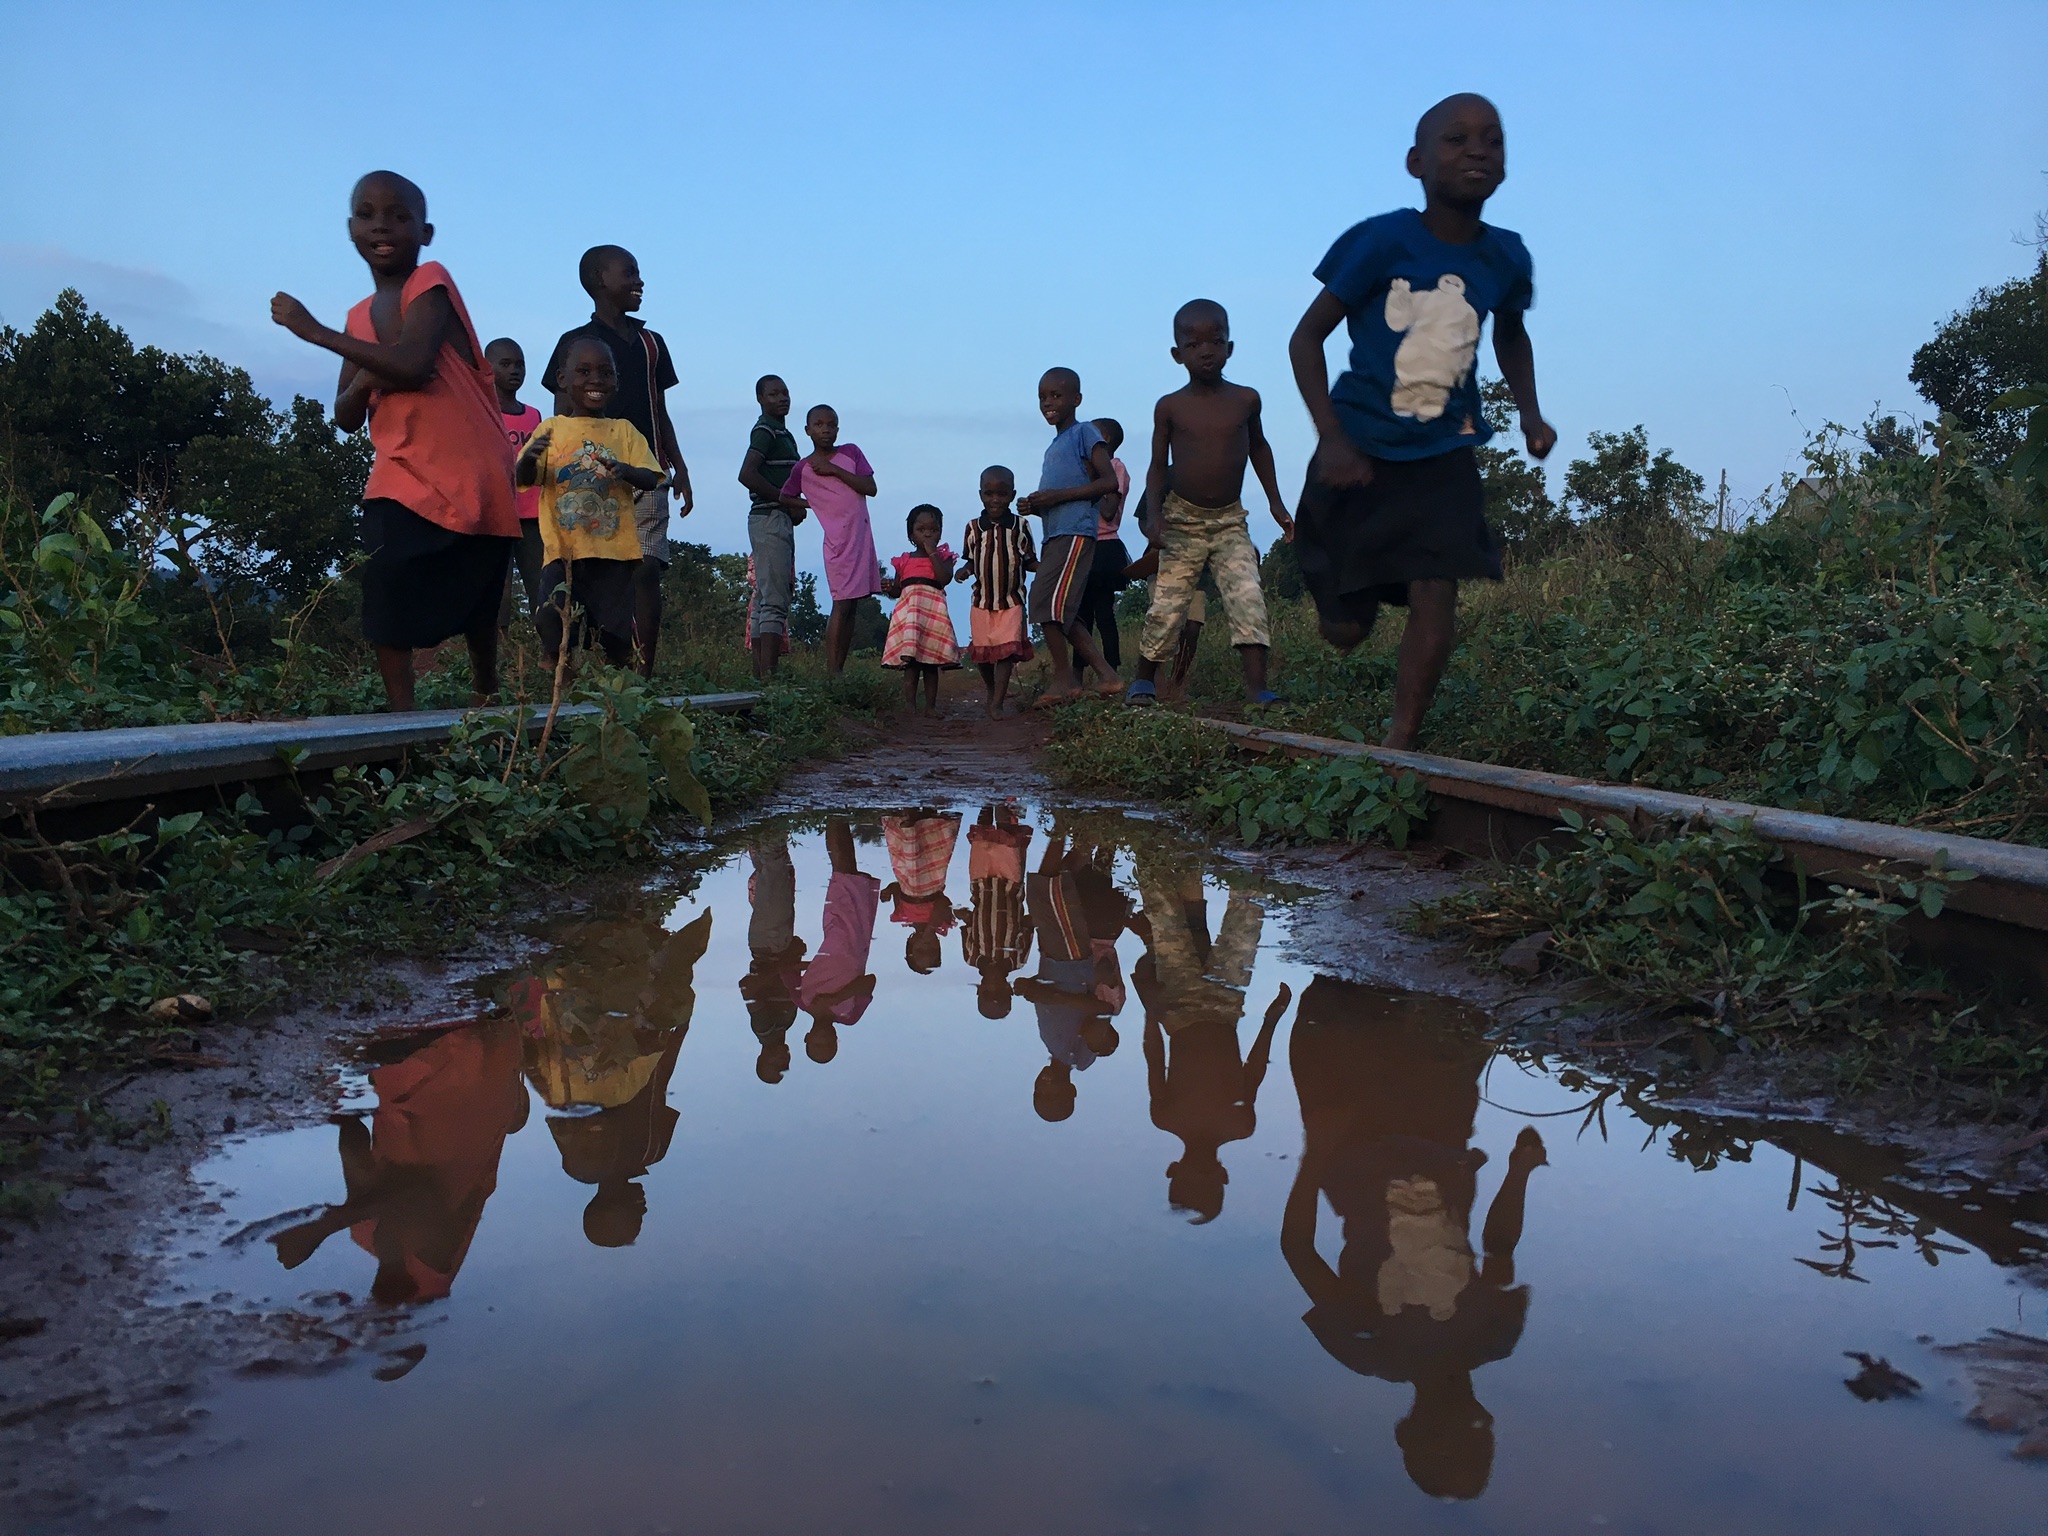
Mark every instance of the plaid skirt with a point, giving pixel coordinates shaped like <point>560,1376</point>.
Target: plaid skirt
<point>920,850</point>
<point>921,630</point>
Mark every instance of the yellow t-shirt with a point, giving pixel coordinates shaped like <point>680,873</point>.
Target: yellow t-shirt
<point>585,513</point>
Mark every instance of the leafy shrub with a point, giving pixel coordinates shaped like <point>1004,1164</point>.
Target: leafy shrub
<point>1316,800</point>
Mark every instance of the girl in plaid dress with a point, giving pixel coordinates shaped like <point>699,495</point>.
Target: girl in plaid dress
<point>920,628</point>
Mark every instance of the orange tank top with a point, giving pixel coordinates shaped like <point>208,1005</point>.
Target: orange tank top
<point>441,449</point>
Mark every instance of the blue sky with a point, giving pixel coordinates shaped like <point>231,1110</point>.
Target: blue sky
<point>1744,218</point>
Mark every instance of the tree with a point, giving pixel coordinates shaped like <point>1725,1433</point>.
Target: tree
<point>1999,343</point>
<point>1524,519</point>
<point>143,436</point>
<point>1624,488</point>
<point>806,617</point>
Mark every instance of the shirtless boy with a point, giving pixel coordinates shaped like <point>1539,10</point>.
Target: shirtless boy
<point>1203,436</point>
<point>1393,510</point>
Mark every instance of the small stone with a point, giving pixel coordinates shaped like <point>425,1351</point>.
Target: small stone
<point>1525,956</point>
<point>184,1008</point>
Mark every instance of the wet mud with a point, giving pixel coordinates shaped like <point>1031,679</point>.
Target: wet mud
<point>937,1153</point>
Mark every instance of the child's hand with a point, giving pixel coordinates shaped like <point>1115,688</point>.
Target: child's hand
<point>537,444</point>
<point>1025,505</point>
<point>294,316</point>
<point>1338,463</point>
<point>1541,437</point>
<point>1286,523</point>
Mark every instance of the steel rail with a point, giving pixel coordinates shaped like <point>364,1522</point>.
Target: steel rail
<point>60,769</point>
<point>2010,884</point>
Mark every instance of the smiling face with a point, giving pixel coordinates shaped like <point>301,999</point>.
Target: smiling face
<point>387,221</point>
<point>1460,154</point>
<point>1059,397</point>
<point>589,377</point>
<point>821,426</point>
<point>998,490</point>
<point>508,366</point>
<point>618,281</point>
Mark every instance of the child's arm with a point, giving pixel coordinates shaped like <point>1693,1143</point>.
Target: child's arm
<point>942,567</point>
<point>352,397</point>
<point>527,471</point>
<point>632,474</point>
<point>1104,484</point>
<point>1156,471</point>
<point>406,363</point>
<point>672,456</point>
<point>1262,466</point>
<point>751,477</point>
<point>1337,461</point>
<point>862,485</point>
<point>1517,359</point>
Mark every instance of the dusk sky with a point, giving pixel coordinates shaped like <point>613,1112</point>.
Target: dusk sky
<point>1744,218</point>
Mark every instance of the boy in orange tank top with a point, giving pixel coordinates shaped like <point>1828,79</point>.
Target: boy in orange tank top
<point>439,520</point>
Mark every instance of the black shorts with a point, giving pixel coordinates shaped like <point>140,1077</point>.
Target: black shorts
<point>1415,520</point>
<point>423,583</point>
<point>602,591</point>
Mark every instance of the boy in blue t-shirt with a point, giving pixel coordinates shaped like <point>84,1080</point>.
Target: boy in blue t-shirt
<point>1079,471</point>
<point>1392,510</point>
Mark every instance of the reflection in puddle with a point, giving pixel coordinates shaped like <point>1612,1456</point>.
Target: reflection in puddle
<point>935,1250</point>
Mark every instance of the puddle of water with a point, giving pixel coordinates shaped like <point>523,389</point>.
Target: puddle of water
<point>815,1201</point>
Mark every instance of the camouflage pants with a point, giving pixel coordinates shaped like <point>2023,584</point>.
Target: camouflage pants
<point>1191,537</point>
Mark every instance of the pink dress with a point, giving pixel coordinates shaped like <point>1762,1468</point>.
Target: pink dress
<point>852,569</point>
<point>852,903</point>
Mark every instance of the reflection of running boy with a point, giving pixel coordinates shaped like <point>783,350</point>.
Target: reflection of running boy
<point>1388,1097</point>
<point>1203,437</point>
<point>836,987</point>
<point>777,954</point>
<point>1392,511</point>
<point>920,852</point>
<point>1072,1020</point>
<point>1207,1095</point>
<point>995,939</point>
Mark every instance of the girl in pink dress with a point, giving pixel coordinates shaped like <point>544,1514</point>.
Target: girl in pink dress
<point>921,638</point>
<point>835,481</point>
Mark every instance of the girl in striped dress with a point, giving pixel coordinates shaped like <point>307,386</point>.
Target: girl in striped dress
<point>999,553</point>
<point>920,628</point>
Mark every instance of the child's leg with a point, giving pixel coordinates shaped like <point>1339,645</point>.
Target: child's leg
<point>1425,652</point>
<point>483,661</point>
<point>839,636</point>
<point>1089,653</point>
<point>1235,562</point>
<point>910,686</point>
<point>1064,678</point>
<point>647,611</point>
<point>931,689</point>
<point>767,656</point>
<point>1179,559</point>
<point>988,678</point>
<point>618,650</point>
<point>999,688</point>
<point>394,665</point>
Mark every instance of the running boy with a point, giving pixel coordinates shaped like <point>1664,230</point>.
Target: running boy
<point>1392,508</point>
<point>771,524</point>
<point>590,469</point>
<point>1203,436</point>
<point>508,370</point>
<point>611,277</point>
<point>1078,472</point>
<point>439,520</point>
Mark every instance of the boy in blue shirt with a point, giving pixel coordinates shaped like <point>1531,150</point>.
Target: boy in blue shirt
<point>1078,472</point>
<point>1391,512</point>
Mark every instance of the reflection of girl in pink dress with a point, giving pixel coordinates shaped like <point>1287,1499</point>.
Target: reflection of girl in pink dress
<point>835,482</point>
<point>835,987</point>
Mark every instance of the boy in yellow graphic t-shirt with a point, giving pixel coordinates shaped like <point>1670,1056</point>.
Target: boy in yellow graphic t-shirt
<point>587,466</point>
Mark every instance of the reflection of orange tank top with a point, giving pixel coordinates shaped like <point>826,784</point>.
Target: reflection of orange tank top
<point>441,449</point>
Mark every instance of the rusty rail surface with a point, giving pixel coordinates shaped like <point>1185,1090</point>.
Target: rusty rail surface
<point>76,768</point>
<point>1506,808</point>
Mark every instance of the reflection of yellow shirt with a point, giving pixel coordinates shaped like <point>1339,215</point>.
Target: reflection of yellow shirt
<point>584,513</point>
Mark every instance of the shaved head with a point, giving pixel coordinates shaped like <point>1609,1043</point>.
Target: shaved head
<point>392,181</point>
<point>1427,125</point>
<point>583,344</point>
<point>1199,312</point>
<point>1060,378</point>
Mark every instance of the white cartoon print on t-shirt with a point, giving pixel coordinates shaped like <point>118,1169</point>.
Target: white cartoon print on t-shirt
<point>1435,356</point>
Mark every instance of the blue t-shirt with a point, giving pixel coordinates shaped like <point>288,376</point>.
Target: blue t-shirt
<point>1416,304</point>
<point>1066,465</point>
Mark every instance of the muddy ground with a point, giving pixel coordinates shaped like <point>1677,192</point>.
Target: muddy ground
<point>102,1368</point>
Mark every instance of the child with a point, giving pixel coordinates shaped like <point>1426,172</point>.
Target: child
<point>439,519</point>
<point>999,552</point>
<point>1072,1021</point>
<point>771,526</point>
<point>835,480</point>
<point>508,370</point>
<point>1209,431</point>
<point>588,466</point>
<point>920,852</point>
<point>1207,1094</point>
<point>1106,575</point>
<point>1392,508</point>
<point>921,638</point>
<point>996,940</point>
<point>835,987</point>
<point>611,277</point>
<point>1077,474</point>
<point>776,953</point>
